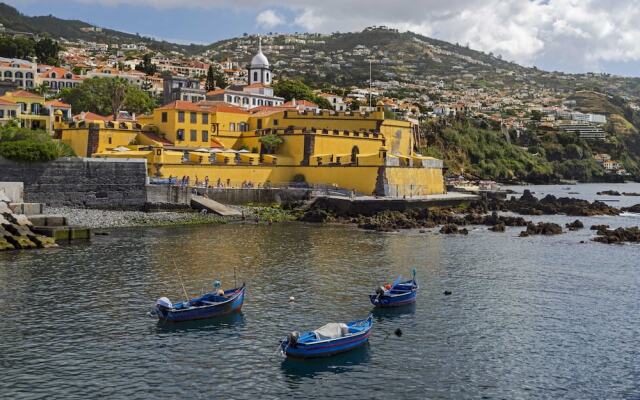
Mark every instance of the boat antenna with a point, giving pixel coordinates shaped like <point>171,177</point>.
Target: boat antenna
<point>184,290</point>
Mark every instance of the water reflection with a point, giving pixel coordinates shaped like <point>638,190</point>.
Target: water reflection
<point>296,369</point>
<point>231,321</point>
<point>392,313</point>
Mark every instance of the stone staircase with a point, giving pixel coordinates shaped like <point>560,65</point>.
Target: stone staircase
<point>17,231</point>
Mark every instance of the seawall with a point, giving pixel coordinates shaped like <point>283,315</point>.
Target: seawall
<point>81,182</point>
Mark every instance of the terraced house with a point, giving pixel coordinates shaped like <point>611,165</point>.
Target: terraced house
<point>22,72</point>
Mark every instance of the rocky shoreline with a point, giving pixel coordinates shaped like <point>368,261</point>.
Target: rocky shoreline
<point>485,212</point>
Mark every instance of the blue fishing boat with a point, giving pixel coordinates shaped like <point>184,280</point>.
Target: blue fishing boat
<point>397,294</point>
<point>333,338</point>
<point>209,305</point>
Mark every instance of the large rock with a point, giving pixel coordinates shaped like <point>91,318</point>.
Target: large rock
<point>452,229</point>
<point>632,209</point>
<point>575,225</point>
<point>619,235</point>
<point>542,228</point>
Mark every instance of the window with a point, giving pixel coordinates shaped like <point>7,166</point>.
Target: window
<point>205,136</point>
<point>232,126</point>
<point>180,134</point>
<point>253,101</point>
<point>1,113</point>
<point>275,122</point>
<point>164,117</point>
<point>267,79</point>
<point>205,118</point>
<point>193,118</point>
<point>180,116</point>
<point>259,123</point>
<point>255,77</point>
<point>109,139</point>
<point>194,135</point>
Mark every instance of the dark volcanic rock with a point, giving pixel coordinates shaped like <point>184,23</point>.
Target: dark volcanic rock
<point>542,228</point>
<point>598,227</point>
<point>551,205</point>
<point>388,221</point>
<point>619,235</point>
<point>575,225</point>
<point>609,193</point>
<point>498,228</point>
<point>632,209</point>
<point>630,194</point>
<point>316,215</point>
<point>450,229</point>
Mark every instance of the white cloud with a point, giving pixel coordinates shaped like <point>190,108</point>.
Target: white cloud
<point>573,35</point>
<point>269,19</point>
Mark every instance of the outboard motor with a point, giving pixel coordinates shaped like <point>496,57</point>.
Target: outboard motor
<point>292,338</point>
<point>163,304</point>
<point>380,291</point>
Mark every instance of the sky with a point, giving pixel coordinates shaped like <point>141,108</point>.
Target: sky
<point>556,35</point>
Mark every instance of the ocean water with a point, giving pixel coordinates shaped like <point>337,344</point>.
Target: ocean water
<point>528,318</point>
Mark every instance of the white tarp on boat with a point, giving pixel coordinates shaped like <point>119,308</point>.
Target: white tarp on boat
<point>332,330</point>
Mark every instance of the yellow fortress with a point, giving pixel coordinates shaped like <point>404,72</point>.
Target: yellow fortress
<point>227,145</point>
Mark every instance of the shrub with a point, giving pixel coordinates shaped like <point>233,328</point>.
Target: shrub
<point>29,151</point>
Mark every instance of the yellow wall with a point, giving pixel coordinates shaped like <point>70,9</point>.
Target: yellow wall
<point>401,181</point>
<point>414,181</point>
<point>77,139</point>
<point>108,138</point>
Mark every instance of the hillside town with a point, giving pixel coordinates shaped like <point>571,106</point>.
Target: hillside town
<point>31,90</point>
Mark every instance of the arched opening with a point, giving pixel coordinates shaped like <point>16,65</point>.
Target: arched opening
<point>255,76</point>
<point>354,155</point>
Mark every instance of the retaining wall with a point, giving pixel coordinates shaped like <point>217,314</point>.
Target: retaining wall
<point>81,182</point>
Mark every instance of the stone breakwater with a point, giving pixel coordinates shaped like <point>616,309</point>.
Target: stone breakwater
<point>92,218</point>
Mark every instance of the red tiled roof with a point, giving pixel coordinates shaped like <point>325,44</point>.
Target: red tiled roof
<point>23,93</point>
<point>300,103</point>
<point>156,138</point>
<point>89,116</point>
<point>256,85</point>
<point>4,100</point>
<point>215,144</point>
<point>214,92</point>
<point>57,103</point>
<point>182,105</point>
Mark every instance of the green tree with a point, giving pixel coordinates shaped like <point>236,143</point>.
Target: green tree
<point>17,47</point>
<point>322,103</point>
<point>293,89</point>
<point>106,96</point>
<point>47,50</point>
<point>270,142</point>
<point>146,65</point>
<point>27,145</point>
<point>211,79</point>
<point>219,78</point>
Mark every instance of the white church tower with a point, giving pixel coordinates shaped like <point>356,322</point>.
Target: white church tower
<point>259,70</point>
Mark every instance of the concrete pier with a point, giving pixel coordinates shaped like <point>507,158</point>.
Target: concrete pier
<point>370,205</point>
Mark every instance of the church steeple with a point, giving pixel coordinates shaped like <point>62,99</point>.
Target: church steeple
<point>259,70</point>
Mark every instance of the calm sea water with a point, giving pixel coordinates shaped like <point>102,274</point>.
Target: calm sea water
<point>539,317</point>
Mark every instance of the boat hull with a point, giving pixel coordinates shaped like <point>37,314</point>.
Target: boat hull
<point>393,301</point>
<point>329,349</point>
<point>218,310</point>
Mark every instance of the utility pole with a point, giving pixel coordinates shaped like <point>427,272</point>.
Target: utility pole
<point>370,83</point>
